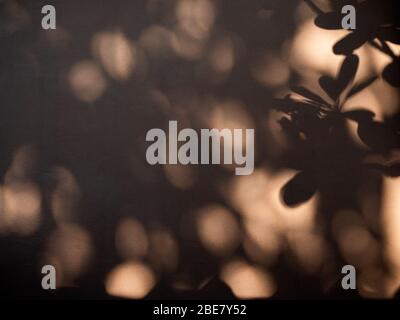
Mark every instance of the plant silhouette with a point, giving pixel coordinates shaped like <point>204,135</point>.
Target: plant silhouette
<point>311,126</point>
<point>206,64</point>
<point>376,30</point>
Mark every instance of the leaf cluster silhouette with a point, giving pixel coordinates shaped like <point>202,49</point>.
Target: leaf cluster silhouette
<point>312,123</point>
<point>377,29</point>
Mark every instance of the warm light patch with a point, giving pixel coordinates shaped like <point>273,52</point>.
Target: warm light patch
<point>222,55</point>
<point>355,242</point>
<point>131,239</point>
<point>180,176</point>
<point>87,81</point>
<point>195,17</point>
<point>164,251</point>
<point>247,281</point>
<point>65,197</point>
<point>218,230</point>
<point>157,40</point>
<point>69,249</point>
<point>312,48</point>
<point>21,206</point>
<point>257,197</point>
<point>116,53</point>
<point>262,243</point>
<point>229,114</point>
<point>20,201</point>
<point>390,226</point>
<point>131,280</point>
<point>309,250</point>
<point>270,70</point>
<point>375,283</point>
